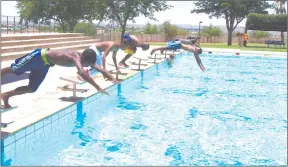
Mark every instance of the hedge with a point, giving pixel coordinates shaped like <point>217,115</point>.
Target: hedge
<point>274,22</point>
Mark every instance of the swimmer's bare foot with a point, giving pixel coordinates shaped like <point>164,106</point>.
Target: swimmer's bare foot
<point>123,65</point>
<point>5,99</point>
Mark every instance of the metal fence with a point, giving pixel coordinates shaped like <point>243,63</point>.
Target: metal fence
<point>12,25</point>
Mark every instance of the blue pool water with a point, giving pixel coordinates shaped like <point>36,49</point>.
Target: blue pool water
<point>232,114</point>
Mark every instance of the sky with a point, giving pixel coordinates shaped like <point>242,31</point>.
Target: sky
<point>179,14</point>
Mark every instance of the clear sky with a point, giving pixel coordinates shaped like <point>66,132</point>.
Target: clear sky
<point>179,14</point>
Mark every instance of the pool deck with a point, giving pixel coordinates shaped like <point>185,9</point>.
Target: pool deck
<point>37,106</point>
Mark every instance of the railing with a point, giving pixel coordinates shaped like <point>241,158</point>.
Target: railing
<point>12,25</point>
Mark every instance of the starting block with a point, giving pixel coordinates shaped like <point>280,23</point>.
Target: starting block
<point>139,64</point>
<point>73,89</point>
<point>155,58</point>
<point>117,73</point>
<point>2,109</point>
<point>4,125</point>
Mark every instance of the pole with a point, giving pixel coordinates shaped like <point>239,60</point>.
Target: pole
<point>0,66</point>
<point>199,29</point>
<point>14,25</point>
<point>7,24</point>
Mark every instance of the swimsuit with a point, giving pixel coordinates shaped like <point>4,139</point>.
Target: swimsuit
<point>35,62</point>
<point>129,50</point>
<point>173,45</point>
<point>99,56</point>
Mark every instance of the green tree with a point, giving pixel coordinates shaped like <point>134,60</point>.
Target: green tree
<point>66,13</point>
<point>150,29</point>
<point>154,29</point>
<point>122,11</point>
<point>211,31</point>
<point>182,32</point>
<point>260,34</point>
<point>280,9</point>
<point>86,28</point>
<point>169,30</point>
<point>233,11</point>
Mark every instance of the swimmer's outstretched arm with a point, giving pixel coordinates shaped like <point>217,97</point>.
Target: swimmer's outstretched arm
<point>76,59</point>
<point>196,55</point>
<point>199,62</point>
<point>115,60</point>
<point>105,73</point>
<point>106,53</point>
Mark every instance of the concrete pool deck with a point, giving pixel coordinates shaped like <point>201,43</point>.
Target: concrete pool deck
<point>32,108</point>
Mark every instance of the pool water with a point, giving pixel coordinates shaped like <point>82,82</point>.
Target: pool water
<point>233,114</point>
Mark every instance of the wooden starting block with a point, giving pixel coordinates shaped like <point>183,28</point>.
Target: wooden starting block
<point>155,58</point>
<point>139,64</point>
<point>4,125</point>
<point>117,73</point>
<point>169,54</point>
<point>73,89</point>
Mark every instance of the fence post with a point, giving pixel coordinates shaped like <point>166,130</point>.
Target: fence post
<point>39,27</point>
<point>14,25</point>
<point>102,35</point>
<point>110,34</point>
<point>114,34</point>
<point>7,24</point>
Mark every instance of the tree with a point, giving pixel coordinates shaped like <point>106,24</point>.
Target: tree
<point>280,9</point>
<point>122,11</point>
<point>154,29</point>
<point>169,30</point>
<point>182,32</point>
<point>66,13</point>
<point>147,28</point>
<point>211,32</point>
<point>260,34</point>
<point>150,29</point>
<point>233,11</point>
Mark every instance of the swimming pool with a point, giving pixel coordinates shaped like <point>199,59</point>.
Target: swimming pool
<point>233,114</point>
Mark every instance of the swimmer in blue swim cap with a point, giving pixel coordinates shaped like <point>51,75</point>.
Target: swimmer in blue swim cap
<point>132,42</point>
<point>182,44</point>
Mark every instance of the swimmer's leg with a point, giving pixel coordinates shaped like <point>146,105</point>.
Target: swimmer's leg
<point>157,49</point>
<point>18,91</point>
<point>122,62</point>
<point>6,71</point>
<point>36,77</point>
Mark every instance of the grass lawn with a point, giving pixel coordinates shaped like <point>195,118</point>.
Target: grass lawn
<point>251,46</point>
